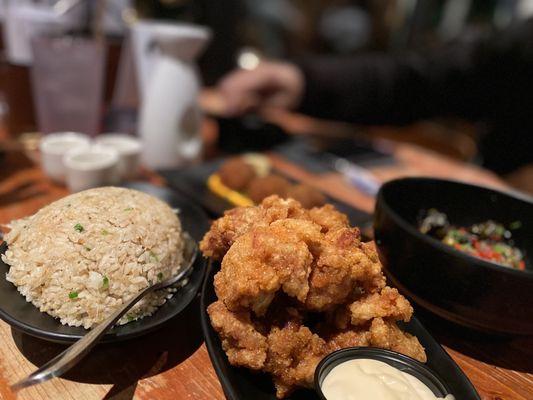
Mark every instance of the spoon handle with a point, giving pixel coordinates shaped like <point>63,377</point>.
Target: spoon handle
<point>72,355</point>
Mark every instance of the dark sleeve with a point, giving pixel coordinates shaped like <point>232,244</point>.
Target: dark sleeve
<point>476,79</point>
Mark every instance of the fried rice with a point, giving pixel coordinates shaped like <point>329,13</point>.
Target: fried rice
<point>81,257</point>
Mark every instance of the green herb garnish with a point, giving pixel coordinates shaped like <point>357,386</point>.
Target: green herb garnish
<point>154,256</point>
<point>128,209</point>
<point>105,282</point>
<point>104,232</point>
<point>73,295</point>
<point>78,227</point>
<point>88,248</point>
<point>160,276</point>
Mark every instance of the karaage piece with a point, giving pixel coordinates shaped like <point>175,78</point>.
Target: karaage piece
<point>293,354</point>
<point>243,344</point>
<point>352,337</point>
<point>328,217</point>
<point>340,270</point>
<point>388,303</point>
<point>236,173</point>
<point>308,196</point>
<point>387,335</point>
<point>237,221</point>
<point>263,261</point>
<point>264,186</point>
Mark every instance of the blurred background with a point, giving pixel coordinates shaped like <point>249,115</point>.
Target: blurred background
<point>240,31</point>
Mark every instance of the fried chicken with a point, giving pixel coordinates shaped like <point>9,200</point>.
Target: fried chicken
<point>296,285</point>
<point>243,344</point>
<point>387,335</point>
<point>264,186</point>
<point>388,303</point>
<point>237,221</point>
<point>261,262</point>
<point>236,173</point>
<point>341,269</point>
<point>307,195</point>
<point>293,354</point>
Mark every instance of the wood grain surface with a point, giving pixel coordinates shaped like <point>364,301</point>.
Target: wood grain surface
<point>172,363</point>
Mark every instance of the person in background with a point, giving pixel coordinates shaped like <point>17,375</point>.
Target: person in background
<point>487,79</point>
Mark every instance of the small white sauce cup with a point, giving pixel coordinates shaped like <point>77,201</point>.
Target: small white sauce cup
<point>129,151</point>
<point>54,146</point>
<point>91,167</point>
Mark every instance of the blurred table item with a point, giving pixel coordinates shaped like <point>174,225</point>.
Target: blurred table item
<point>25,20</point>
<point>68,79</point>
<point>169,117</point>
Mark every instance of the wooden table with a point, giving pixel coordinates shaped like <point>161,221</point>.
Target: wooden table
<point>173,363</point>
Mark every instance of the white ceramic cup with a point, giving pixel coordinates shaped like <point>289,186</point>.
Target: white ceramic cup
<point>54,146</point>
<point>129,151</point>
<point>91,167</point>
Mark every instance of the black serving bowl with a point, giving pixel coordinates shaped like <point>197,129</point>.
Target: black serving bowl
<point>394,359</point>
<point>460,288</point>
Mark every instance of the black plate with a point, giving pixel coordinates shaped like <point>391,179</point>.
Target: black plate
<point>240,383</point>
<point>458,287</point>
<point>24,316</point>
<point>191,181</point>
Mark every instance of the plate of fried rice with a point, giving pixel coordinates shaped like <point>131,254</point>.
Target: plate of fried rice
<point>72,263</point>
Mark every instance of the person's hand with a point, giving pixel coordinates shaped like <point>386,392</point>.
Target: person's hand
<point>270,84</point>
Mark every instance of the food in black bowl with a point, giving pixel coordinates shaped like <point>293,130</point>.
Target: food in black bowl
<point>458,286</point>
<point>488,240</point>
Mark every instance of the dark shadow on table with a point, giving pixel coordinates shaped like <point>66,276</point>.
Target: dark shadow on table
<point>124,364</point>
<point>515,353</point>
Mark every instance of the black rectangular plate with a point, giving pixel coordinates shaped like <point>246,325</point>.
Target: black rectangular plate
<point>191,181</point>
<point>241,384</point>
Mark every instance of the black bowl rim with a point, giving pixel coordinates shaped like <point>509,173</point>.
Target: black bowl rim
<point>375,353</point>
<point>436,243</point>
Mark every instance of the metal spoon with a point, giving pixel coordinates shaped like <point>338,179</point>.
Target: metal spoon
<point>71,356</point>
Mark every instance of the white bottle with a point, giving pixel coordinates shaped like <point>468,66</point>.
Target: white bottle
<point>169,120</point>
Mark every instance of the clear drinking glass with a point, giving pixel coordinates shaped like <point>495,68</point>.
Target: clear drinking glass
<point>68,79</point>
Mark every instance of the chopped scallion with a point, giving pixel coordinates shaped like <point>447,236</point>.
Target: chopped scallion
<point>105,282</point>
<point>73,295</point>
<point>78,227</point>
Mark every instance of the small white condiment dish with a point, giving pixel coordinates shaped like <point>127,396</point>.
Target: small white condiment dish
<point>129,151</point>
<point>54,146</point>
<point>90,167</point>
<point>399,361</point>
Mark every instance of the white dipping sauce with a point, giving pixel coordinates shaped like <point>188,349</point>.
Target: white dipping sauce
<point>366,379</point>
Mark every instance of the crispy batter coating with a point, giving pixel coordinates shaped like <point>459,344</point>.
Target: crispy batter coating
<point>243,344</point>
<point>387,335</point>
<point>297,284</point>
<point>237,221</point>
<point>328,218</point>
<point>388,303</point>
<point>293,354</point>
<point>261,262</point>
<point>340,270</point>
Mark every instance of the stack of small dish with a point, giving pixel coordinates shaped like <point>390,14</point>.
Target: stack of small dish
<point>73,158</point>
